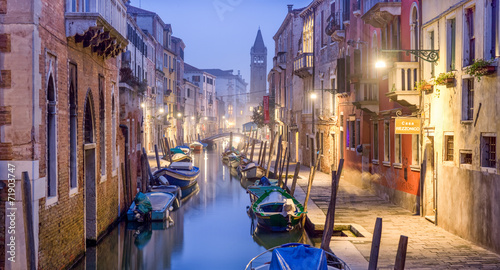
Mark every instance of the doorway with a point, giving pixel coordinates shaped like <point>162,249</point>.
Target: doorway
<point>90,172</point>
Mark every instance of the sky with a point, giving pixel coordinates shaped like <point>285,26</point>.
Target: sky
<point>220,33</point>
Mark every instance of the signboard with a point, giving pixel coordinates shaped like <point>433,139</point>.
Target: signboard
<point>266,109</point>
<point>407,125</point>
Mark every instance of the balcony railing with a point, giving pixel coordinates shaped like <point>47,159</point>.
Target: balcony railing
<point>303,64</point>
<point>335,25</point>
<point>402,79</point>
<point>100,24</point>
<point>379,13</point>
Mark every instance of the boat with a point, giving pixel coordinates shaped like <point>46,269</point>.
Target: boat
<point>184,149</point>
<point>181,174</point>
<point>277,210</point>
<point>176,151</point>
<point>252,171</point>
<point>196,147</point>
<point>296,256</point>
<point>177,157</point>
<point>260,187</point>
<point>233,160</point>
<point>154,206</point>
<point>170,189</point>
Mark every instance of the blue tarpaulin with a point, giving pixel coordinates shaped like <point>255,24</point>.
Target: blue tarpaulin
<point>298,258</point>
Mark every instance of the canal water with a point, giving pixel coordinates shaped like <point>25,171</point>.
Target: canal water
<point>211,230</point>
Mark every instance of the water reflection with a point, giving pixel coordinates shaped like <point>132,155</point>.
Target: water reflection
<point>210,230</point>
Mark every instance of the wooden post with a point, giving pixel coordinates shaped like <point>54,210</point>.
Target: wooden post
<point>168,151</point>
<point>144,174</point>
<point>295,176</point>
<point>251,151</point>
<point>330,215</point>
<point>287,166</point>
<point>264,154</point>
<point>230,141</point>
<point>158,166</point>
<point>377,234</point>
<point>125,186</point>
<point>401,255</point>
<point>309,186</point>
<point>260,152</point>
<point>29,236</point>
<point>147,166</point>
<point>278,157</point>
<point>282,164</point>
<point>271,152</point>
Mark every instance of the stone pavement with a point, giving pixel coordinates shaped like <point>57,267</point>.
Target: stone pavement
<point>429,247</point>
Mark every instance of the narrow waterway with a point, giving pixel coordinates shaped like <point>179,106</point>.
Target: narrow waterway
<point>211,230</point>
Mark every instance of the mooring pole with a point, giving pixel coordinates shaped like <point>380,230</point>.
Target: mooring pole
<point>158,166</point>
<point>377,234</point>
<point>330,215</point>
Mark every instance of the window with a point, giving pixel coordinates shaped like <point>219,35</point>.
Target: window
<point>102,119</point>
<point>332,86</point>
<point>188,92</point>
<point>415,150</point>
<point>492,46</point>
<point>51,139</point>
<point>196,78</point>
<point>466,157</point>
<point>165,60</point>
<point>113,131</point>
<point>469,38</point>
<point>468,99</point>
<point>450,44</point>
<point>488,150</point>
<point>375,141</point>
<point>353,134</point>
<point>398,157</point>
<point>73,122</point>
<point>448,144</point>
<point>348,135</point>
<point>387,141</point>
<point>230,109</point>
<point>358,132</point>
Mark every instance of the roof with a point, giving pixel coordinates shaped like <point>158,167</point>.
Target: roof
<point>189,68</point>
<point>259,42</point>
<point>136,10</point>
<point>219,72</point>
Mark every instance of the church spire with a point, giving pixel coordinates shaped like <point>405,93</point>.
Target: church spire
<point>258,45</point>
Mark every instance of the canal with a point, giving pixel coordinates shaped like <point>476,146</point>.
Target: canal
<point>211,230</point>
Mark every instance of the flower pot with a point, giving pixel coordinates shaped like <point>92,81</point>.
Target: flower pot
<point>427,87</point>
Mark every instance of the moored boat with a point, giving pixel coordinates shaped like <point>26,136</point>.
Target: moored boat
<point>181,157</point>
<point>277,210</point>
<point>297,256</point>
<point>252,171</point>
<point>154,205</point>
<point>182,174</point>
<point>196,147</point>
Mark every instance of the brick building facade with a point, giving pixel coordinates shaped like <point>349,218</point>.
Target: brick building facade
<point>64,74</point>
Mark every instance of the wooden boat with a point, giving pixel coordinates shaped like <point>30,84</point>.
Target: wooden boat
<point>196,147</point>
<point>277,210</point>
<point>160,203</point>
<point>296,256</point>
<point>233,160</point>
<point>252,171</point>
<point>182,174</point>
<point>258,189</point>
<point>184,149</point>
<point>181,157</point>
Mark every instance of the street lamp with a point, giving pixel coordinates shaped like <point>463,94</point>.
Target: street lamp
<point>179,115</point>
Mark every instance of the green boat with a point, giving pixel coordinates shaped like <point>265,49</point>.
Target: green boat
<point>277,210</point>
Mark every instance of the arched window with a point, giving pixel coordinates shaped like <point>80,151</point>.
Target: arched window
<point>414,28</point>
<point>73,122</point>
<point>88,121</point>
<point>51,139</point>
<point>113,126</point>
<point>102,129</point>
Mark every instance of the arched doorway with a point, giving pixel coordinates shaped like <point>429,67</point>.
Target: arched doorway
<point>90,170</point>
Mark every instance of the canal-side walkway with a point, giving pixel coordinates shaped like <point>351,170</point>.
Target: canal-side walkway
<point>429,247</point>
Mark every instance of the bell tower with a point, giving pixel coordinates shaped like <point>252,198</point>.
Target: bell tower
<point>258,70</point>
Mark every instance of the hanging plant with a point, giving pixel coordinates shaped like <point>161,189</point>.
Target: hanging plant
<point>445,79</point>
<point>423,85</point>
<point>480,68</point>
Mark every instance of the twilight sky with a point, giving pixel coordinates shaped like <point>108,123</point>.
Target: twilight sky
<point>220,33</point>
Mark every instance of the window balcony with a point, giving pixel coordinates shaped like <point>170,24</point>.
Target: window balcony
<point>280,60</point>
<point>303,65</point>
<point>335,25</point>
<point>99,24</point>
<point>379,13</point>
<point>402,79</point>
<point>366,97</point>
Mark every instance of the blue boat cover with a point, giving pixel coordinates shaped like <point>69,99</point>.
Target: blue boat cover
<point>298,258</point>
<point>264,181</point>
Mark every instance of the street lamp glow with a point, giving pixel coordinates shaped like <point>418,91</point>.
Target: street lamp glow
<point>179,115</point>
<point>380,64</point>
<point>223,117</point>
<point>206,118</point>
<point>143,105</point>
<point>161,110</point>
<point>313,96</point>
<point>192,117</point>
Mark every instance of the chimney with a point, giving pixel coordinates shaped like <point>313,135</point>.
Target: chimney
<point>238,72</point>
<point>290,8</point>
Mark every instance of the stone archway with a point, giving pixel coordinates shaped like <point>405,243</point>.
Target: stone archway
<point>90,170</point>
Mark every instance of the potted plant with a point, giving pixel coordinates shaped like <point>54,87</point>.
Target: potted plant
<point>447,78</point>
<point>481,68</point>
<point>423,85</point>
